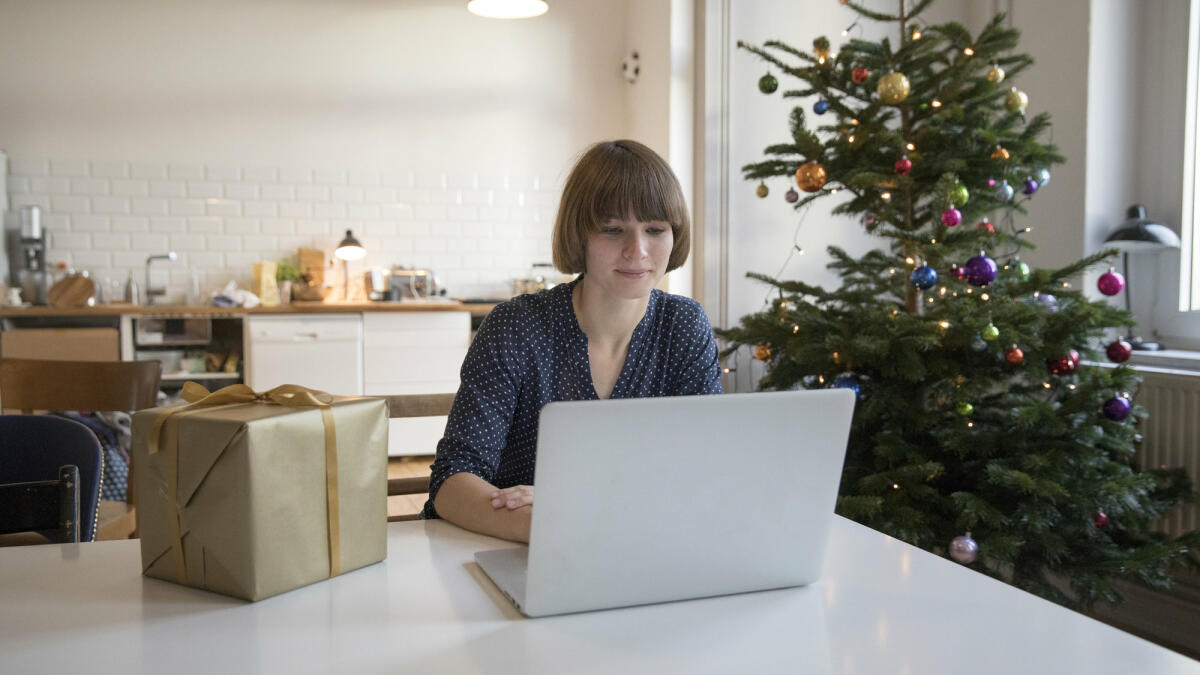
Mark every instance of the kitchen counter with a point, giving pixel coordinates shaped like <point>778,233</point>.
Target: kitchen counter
<point>118,309</point>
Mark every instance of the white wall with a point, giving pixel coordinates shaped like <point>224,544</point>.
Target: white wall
<point>450,110</point>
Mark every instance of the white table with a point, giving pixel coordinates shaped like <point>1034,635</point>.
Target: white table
<point>882,607</point>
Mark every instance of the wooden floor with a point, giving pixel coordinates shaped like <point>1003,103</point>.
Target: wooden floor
<point>407,467</point>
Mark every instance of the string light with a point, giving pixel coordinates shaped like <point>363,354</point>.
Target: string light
<point>985,297</point>
<point>916,34</point>
<point>821,379</point>
<point>726,371</point>
<point>821,60</point>
<point>944,324</point>
<point>795,329</point>
<point>895,312</point>
<point>1027,230</point>
<point>942,291</point>
<point>834,191</point>
<point>936,103</point>
<point>970,425</point>
<point>887,196</point>
<point>910,147</point>
<point>933,241</point>
<point>854,122</point>
<point>1066,285</point>
<point>892,271</point>
<point>895,486</point>
<point>850,139</point>
<point>970,291</point>
<point>968,51</point>
<point>1046,385</point>
<point>1071,387</point>
<point>909,260</point>
<point>931,299</point>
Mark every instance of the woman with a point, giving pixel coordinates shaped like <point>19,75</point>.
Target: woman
<point>622,224</point>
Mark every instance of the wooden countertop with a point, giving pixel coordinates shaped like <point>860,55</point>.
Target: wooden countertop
<point>116,309</point>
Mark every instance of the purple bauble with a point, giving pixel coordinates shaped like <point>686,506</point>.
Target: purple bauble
<point>791,196</point>
<point>980,270</point>
<point>1031,186</point>
<point>1048,301</point>
<point>964,549</point>
<point>1117,408</point>
<point>1110,283</point>
<point>951,217</point>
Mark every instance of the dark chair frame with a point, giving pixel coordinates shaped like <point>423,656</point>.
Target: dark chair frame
<point>414,405</point>
<point>43,505</point>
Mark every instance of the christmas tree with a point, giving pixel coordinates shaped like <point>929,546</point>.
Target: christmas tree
<point>978,432</point>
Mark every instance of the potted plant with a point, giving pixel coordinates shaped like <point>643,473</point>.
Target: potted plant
<point>286,272</point>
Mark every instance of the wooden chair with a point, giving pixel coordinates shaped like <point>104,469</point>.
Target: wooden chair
<point>414,405</point>
<point>31,384</point>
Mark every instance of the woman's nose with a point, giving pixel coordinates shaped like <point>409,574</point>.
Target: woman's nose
<point>635,246</point>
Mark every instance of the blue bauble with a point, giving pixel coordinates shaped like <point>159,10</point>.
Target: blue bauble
<point>1042,176</point>
<point>980,270</point>
<point>848,381</point>
<point>978,344</point>
<point>1004,191</point>
<point>821,106</point>
<point>924,277</point>
<point>1048,301</point>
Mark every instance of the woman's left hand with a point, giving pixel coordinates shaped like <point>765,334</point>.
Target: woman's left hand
<point>513,497</point>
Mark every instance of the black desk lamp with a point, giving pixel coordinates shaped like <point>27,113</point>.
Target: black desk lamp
<point>1138,234</point>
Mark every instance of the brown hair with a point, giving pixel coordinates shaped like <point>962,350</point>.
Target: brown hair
<point>618,179</point>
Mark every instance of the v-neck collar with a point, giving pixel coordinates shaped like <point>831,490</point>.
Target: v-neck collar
<point>583,361</point>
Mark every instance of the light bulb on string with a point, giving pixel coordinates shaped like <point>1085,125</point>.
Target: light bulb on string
<point>968,52</point>
<point>910,147</point>
<point>936,103</point>
<point>985,297</point>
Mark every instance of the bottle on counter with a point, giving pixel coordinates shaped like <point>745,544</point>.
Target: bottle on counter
<point>132,292</point>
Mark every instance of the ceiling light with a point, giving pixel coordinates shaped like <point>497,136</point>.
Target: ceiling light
<point>507,9</point>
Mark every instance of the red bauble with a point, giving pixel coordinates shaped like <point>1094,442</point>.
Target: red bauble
<point>903,165</point>
<point>1101,519</point>
<point>1065,365</point>
<point>859,75</point>
<point>1119,351</point>
<point>957,272</point>
<point>1014,355</point>
<point>986,225</point>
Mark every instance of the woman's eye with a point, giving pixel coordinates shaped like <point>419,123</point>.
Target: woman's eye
<point>656,231</point>
<point>610,230</point>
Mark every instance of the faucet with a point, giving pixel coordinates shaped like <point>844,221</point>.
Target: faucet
<point>150,291</point>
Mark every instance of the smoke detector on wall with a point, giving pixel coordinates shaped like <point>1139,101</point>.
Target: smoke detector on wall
<point>631,67</point>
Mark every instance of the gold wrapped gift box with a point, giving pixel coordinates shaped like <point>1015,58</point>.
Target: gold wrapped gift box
<point>272,491</point>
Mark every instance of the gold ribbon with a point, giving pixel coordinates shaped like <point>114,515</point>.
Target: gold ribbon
<point>199,398</point>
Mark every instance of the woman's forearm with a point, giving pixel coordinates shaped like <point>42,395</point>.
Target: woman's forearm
<point>466,500</point>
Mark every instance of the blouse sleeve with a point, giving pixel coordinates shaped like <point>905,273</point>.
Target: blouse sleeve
<point>699,371</point>
<point>490,380</point>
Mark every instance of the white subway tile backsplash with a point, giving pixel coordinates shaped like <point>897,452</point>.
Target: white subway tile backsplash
<point>429,180</point>
<point>330,176</point>
<point>390,246</point>
<point>168,188</point>
<point>329,210</point>
<point>168,224</point>
<point>18,166</point>
<point>447,262</point>
<point>110,169</point>
<point>205,259</point>
<point>244,226</point>
<point>379,195</point>
<point>69,167</point>
<point>222,173</point>
<point>295,210</point>
<point>239,265</point>
<point>508,231</point>
<point>364,211</point>
<point>148,170</point>
<point>18,184</point>
<point>188,242</point>
<point>260,174</point>
<point>293,242</point>
<point>493,214</point>
<point>241,191</point>
<point>66,241</point>
<point>428,213</point>
<point>259,242</point>
<point>396,212</point>
<point>88,259</point>
<point>399,179</point>
<point>260,209</point>
<point>475,198</point>
<point>278,193</point>
<point>478,230</point>
<point>110,205</point>
<point>148,206</point>
<point>17,202</point>
<point>364,177</point>
<point>69,203</point>
<point>131,187</point>
<point>295,175</point>
<point>414,230</point>
<point>186,171</point>
<point>380,229</point>
<point>197,188</point>
<point>89,186</point>
<point>112,242</point>
<point>186,207</point>
<point>224,242</point>
<point>446,230</point>
<point>149,242</point>
<point>312,193</point>
<point>429,245</point>
<point>130,224</point>
<point>223,207</point>
<point>205,225</point>
<point>276,226</point>
<point>54,185</point>
<point>88,223</point>
<point>57,221</point>
<point>346,193</point>
<point>134,261</point>
<point>313,227</point>
<point>462,213</point>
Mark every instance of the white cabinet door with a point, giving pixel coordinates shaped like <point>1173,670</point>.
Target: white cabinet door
<point>414,353</point>
<point>317,351</point>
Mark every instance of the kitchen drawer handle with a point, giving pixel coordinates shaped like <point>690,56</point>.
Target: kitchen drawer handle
<point>304,336</point>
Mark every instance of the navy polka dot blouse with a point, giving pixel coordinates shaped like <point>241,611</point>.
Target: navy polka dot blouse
<point>530,351</point>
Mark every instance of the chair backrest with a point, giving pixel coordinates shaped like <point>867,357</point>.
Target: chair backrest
<point>415,405</point>
<point>35,447</point>
<point>41,506</point>
<point>32,384</point>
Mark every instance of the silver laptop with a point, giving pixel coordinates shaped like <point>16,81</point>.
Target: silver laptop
<point>658,499</point>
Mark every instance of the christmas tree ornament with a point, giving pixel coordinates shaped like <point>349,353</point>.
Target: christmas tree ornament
<point>957,272</point>
<point>1119,351</point>
<point>859,75</point>
<point>1117,408</point>
<point>986,224</point>
<point>1064,365</point>
<point>1016,101</point>
<point>762,353</point>
<point>980,270</point>
<point>1100,519</point>
<point>1031,186</point>
<point>867,219</point>
<point>811,176</point>
<point>978,344</point>
<point>963,549</point>
<point>767,84</point>
<point>959,194</point>
<point>903,165</point>
<point>1004,192</point>
<point>1020,269</point>
<point>924,277</point>
<point>991,182</point>
<point>848,381</point>
<point>791,196</point>
<point>951,217</point>
<point>1042,176</point>
<point>1111,282</point>
<point>893,88</point>
<point>821,49</point>
<point>963,408</point>
<point>762,190</point>
<point>821,107</point>
<point>990,332</point>
<point>1048,302</point>
<point>999,153</point>
<point>995,74</point>
<point>1014,355</point>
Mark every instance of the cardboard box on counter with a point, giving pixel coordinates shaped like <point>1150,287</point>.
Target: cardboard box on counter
<point>254,493</point>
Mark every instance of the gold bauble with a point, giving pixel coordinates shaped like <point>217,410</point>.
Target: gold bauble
<point>1016,101</point>
<point>811,176</point>
<point>761,190</point>
<point>995,74</point>
<point>893,88</point>
<point>762,353</point>
<point>999,153</point>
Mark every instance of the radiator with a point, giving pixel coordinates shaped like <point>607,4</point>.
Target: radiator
<point>1171,435</point>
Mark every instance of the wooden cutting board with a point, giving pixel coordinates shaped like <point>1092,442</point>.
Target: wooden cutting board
<point>74,291</point>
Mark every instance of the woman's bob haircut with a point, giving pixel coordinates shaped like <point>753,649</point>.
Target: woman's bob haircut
<point>618,180</point>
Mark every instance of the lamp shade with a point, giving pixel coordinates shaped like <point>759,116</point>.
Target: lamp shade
<point>350,248</point>
<point>507,9</point>
<point>1140,233</point>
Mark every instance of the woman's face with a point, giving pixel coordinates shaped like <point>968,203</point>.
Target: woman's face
<point>627,258</point>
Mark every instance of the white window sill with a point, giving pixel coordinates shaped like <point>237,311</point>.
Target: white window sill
<point>1168,360</point>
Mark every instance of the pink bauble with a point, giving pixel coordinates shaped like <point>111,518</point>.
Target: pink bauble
<point>951,217</point>
<point>1111,283</point>
<point>903,165</point>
